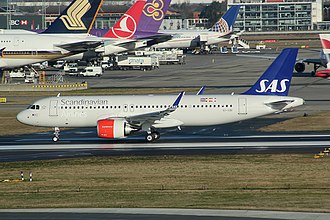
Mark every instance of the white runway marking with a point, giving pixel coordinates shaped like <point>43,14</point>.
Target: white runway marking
<point>194,145</point>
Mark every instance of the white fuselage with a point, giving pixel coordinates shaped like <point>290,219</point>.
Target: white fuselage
<point>191,39</point>
<point>193,110</point>
<point>25,49</point>
<point>28,48</point>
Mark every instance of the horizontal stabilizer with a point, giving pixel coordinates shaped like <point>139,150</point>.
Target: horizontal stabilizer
<point>80,46</point>
<point>279,105</point>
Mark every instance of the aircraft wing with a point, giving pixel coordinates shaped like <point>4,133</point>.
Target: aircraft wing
<point>150,118</point>
<point>308,61</point>
<point>316,61</point>
<point>155,38</point>
<point>149,40</point>
<point>80,46</point>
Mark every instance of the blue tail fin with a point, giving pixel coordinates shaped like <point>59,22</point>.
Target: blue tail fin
<point>277,78</point>
<point>78,17</point>
<point>226,23</point>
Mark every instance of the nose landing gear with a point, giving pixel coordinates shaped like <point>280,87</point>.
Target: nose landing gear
<point>152,136</point>
<point>56,136</point>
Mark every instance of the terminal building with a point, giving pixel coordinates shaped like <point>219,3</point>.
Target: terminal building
<point>278,15</point>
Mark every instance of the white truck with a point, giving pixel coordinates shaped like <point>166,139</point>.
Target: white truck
<point>92,71</point>
<point>71,68</point>
<point>138,62</point>
<point>174,56</point>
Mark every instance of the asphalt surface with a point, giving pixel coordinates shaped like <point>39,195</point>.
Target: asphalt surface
<point>223,74</point>
<point>154,213</point>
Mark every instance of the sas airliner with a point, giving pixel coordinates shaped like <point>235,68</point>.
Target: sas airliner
<point>119,116</point>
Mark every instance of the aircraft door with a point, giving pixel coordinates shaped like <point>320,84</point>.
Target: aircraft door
<point>53,108</point>
<point>242,106</point>
<point>16,41</point>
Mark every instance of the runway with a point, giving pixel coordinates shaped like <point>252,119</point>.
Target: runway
<point>27,149</point>
<point>150,213</point>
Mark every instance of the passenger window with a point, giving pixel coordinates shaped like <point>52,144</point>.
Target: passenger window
<point>37,107</point>
<point>33,107</point>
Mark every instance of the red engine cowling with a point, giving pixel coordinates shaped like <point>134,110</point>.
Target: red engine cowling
<point>113,128</point>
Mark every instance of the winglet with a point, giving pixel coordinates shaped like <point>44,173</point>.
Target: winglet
<point>201,91</point>
<point>227,21</point>
<point>77,18</point>
<point>276,79</point>
<point>178,100</point>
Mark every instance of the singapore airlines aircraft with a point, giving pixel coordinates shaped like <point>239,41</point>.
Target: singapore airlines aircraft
<point>65,37</point>
<point>119,116</point>
<point>192,39</point>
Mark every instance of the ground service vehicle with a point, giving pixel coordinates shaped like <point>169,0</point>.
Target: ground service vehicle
<point>142,63</point>
<point>92,71</point>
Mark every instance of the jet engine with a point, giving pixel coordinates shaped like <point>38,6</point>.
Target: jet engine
<point>299,67</point>
<point>113,128</point>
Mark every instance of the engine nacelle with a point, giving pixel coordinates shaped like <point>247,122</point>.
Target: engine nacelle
<point>113,128</point>
<point>299,67</point>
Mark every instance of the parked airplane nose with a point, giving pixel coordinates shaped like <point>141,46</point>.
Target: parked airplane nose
<point>22,117</point>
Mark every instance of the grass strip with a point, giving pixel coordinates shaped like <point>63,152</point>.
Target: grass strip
<point>267,182</point>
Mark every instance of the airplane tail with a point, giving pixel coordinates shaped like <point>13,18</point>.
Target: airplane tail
<point>226,22</point>
<point>153,14</point>
<point>126,26</point>
<point>325,54</point>
<point>78,17</point>
<point>276,79</point>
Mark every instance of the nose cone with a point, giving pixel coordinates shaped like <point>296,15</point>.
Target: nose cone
<point>22,117</point>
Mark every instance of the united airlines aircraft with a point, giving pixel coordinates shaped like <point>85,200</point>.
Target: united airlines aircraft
<point>119,116</point>
<point>216,34</point>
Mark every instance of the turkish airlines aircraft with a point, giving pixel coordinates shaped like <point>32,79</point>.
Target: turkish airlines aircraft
<point>119,116</point>
<point>215,35</point>
<point>137,28</point>
<point>65,37</point>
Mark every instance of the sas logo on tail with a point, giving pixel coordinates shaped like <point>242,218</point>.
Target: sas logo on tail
<point>154,10</point>
<point>72,20</point>
<point>266,86</point>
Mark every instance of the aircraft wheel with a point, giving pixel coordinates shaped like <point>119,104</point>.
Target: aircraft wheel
<point>55,139</point>
<point>156,135</point>
<point>150,137</point>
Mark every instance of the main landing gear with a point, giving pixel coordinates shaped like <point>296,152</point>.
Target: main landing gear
<point>56,136</point>
<point>152,136</point>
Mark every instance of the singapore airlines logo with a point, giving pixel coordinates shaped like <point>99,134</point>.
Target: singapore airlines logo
<point>154,10</point>
<point>127,27</point>
<point>266,86</point>
<point>221,26</point>
<point>72,20</point>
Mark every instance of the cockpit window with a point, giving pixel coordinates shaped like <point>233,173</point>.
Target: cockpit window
<point>37,107</point>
